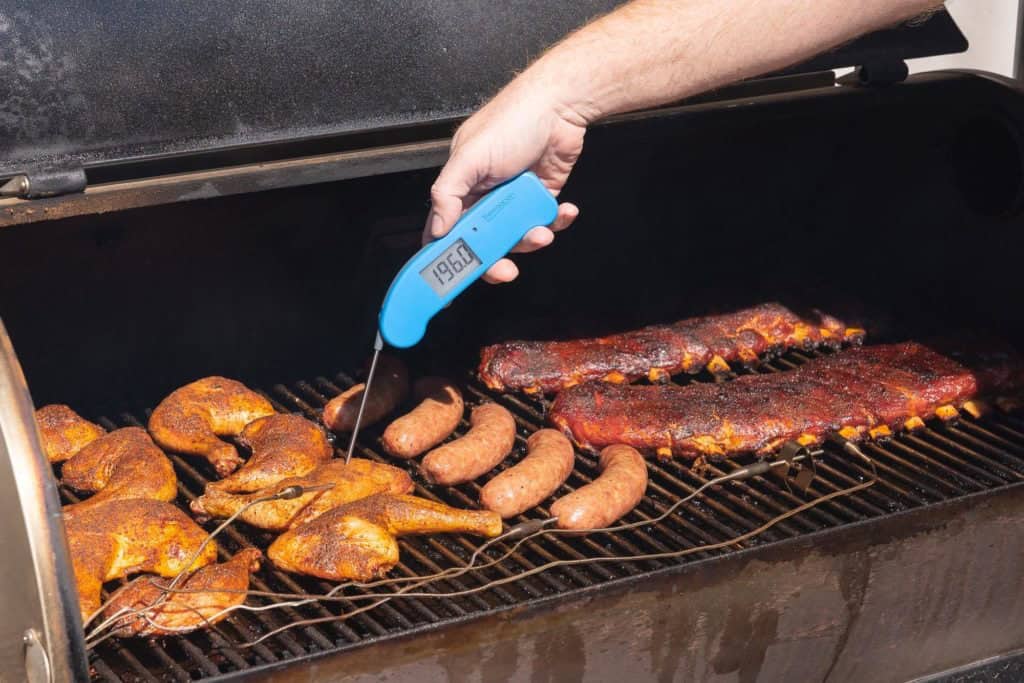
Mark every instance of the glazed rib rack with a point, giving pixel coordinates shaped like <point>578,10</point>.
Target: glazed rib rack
<point>937,463</point>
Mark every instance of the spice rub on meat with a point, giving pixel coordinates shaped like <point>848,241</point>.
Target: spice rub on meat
<point>123,537</point>
<point>63,432</point>
<point>193,416</point>
<point>123,464</point>
<point>860,392</point>
<point>145,607</point>
<point>658,351</point>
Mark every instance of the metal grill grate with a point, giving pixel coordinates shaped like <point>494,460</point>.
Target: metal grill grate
<point>933,464</point>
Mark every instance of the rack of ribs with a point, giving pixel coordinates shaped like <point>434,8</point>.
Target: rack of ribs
<point>863,392</point>
<point>659,351</point>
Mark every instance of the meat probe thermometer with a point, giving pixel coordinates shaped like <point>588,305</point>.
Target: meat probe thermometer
<point>443,269</point>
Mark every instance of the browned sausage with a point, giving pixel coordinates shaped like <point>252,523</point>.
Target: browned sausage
<point>620,487</point>
<point>490,438</point>
<point>429,423</point>
<point>389,388</point>
<point>547,464</point>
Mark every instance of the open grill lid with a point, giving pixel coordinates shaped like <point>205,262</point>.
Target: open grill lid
<point>87,87</point>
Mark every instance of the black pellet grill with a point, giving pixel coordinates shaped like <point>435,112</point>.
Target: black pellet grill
<point>213,188</point>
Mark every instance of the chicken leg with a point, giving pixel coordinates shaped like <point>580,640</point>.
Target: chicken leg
<point>352,541</point>
<point>192,417</point>
<point>205,596</point>
<point>122,537</point>
<point>122,464</point>
<point>346,548</point>
<point>64,432</point>
<point>403,515</point>
<point>282,446</point>
<point>356,479</point>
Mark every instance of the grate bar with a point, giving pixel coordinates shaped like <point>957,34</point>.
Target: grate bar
<point>944,447</point>
<point>909,445</point>
<point>881,457</point>
<point>904,456</point>
<point>752,488</point>
<point>826,474</point>
<point>993,442</point>
<point>842,463</point>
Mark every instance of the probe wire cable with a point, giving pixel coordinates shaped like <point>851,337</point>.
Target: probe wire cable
<point>407,591</point>
<point>296,599</point>
<point>125,613</point>
<point>521,533</point>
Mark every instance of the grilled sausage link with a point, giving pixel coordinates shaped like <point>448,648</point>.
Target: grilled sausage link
<point>389,388</point>
<point>429,423</point>
<point>490,438</point>
<point>620,487</point>
<point>547,464</point>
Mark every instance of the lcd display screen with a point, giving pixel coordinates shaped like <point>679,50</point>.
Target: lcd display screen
<point>451,267</point>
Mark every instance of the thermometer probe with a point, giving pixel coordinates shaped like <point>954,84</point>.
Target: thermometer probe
<point>443,269</point>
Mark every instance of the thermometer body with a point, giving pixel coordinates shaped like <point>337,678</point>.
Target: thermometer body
<point>441,270</point>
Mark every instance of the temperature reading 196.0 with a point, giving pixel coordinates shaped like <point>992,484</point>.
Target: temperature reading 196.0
<point>447,270</point>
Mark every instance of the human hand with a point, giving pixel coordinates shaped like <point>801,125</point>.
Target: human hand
<point>520,129</point>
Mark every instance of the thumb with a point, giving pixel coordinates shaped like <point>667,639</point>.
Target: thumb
<point>448,198</point>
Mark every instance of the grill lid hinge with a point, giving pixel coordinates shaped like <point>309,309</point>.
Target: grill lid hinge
<point>878,73</point>
<point>45,182</point>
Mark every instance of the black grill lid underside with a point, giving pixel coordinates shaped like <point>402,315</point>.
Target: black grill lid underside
<point>86,85</point>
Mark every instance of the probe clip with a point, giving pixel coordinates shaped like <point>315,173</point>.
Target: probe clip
<point>799,470</point>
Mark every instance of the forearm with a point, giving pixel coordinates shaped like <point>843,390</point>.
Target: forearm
<point>646,53</point>
<point>650,52</point>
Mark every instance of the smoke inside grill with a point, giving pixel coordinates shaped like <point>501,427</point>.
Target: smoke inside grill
<point>930,465</point>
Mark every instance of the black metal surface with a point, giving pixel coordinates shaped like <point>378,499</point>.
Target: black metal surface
<point>90,86</point>
<point>836,184</point>
<point>936,34</point>
<point>1006,668</point>
<point>939,463</point>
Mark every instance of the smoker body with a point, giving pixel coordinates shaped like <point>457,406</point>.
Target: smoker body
<point>267,262</point>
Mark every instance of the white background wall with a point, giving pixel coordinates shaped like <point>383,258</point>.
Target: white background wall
<point>990,27</point>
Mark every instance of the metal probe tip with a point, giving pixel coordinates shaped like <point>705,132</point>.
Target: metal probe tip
<point>15,187</point>
<point>296,490</point>
<point>378,344</point>
<point>530,526</point>
<point>289,492</point>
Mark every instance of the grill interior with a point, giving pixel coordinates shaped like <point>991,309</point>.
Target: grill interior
<point>937,463</point>
<point>860,193</point>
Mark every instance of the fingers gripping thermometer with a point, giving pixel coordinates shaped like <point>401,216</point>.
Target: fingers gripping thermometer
<point>443,269</point>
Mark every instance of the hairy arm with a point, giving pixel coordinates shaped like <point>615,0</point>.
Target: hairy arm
<point>643,54</point>
<point>650,52</point>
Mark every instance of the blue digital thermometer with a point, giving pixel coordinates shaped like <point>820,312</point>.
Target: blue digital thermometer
<point>443,269</point>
